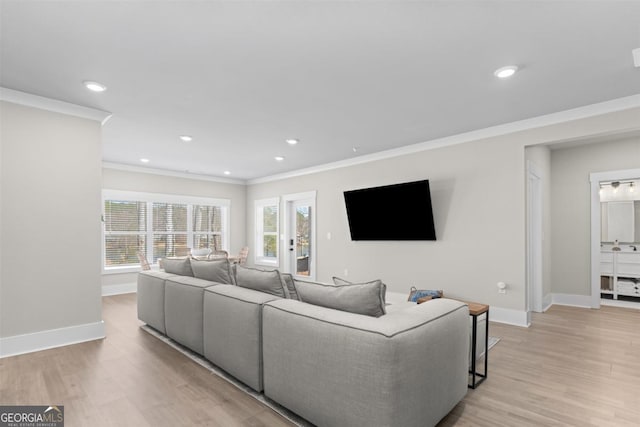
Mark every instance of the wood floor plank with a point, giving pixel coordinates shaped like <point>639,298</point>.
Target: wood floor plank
<point>572,367</point>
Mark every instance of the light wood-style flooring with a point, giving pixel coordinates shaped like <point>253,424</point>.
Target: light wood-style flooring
<point>572,367</point>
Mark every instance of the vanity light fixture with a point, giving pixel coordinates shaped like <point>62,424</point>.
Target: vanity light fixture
<point>94,86</point>
<point>505,72</point>
<point>615,185</point>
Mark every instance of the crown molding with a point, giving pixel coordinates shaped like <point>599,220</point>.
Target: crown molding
<point>587,111</point>
<point>30,100</point>
<point>166,172</point>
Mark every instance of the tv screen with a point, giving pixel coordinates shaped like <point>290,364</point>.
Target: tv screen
<point>392,212</point>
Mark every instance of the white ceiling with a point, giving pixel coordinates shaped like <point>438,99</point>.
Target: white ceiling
<point>242,77</point>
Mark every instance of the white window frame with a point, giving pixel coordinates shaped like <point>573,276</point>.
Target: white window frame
<point>259,258</point>
<point>150,199</point>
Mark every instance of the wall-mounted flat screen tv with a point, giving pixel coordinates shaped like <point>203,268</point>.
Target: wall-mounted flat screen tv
<point>392,212</point>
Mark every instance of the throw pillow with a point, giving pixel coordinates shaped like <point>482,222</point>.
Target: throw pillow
<point>218,271</point>
<point>359,298</point>
<point>338,281</point>
<point>288,281</point>
<point>181,267</point>
<point>261,280</point>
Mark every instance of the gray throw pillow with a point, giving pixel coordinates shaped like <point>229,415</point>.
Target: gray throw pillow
<point>288,281</point>
<point>338,281</point>
<point>359,298</point>
<point>218,271</point>
<point>266,281</point>
<point>181,267</point>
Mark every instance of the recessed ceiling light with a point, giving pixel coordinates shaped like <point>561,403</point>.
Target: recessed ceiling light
<point>292,141</point>
<point>186,138</point>
<point>95,86</point>
<point>227,172</point>
<point>279,158</point>
<point>505,72</point>
<point>144,160</point>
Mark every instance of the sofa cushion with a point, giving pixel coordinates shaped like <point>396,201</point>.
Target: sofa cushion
<point>359,298</point>
<point>288,281</point>
<point>268,281</point>
<point>340,282</point>
<point>181,267</point>
<point>218,270</point>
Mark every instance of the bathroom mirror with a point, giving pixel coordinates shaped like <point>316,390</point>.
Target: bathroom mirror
<point>620,221</point>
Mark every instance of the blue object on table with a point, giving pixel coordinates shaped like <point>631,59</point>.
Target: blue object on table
<point>416,294</point>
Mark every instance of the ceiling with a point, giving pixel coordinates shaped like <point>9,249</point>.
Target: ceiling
<point>242,77</point>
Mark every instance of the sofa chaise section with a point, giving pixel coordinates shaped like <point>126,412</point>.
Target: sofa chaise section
<point>232,331</point>
<point>151,298</point>
<point>407,368</point>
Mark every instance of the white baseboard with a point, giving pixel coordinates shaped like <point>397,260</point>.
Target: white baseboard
<point>572,300</point>
<point>618,303</point>
<point>547,302</point>
<point>124,288</point>
<point>43,340</point>
<point>509,316</point>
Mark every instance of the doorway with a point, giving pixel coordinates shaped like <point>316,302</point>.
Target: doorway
<point>611,260</point>
<point>300,235</point>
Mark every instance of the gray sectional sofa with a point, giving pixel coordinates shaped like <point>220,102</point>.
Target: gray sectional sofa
<point>352,358</point>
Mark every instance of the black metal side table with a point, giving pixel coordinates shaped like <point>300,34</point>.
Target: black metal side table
<point>476,310</point>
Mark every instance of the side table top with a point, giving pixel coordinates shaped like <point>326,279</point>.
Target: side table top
<point>476,309</point>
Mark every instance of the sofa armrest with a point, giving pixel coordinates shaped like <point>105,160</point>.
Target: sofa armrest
<point>406,368</point>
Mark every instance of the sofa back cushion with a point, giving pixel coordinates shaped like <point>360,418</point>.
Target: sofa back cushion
<point>218,270</point>
<point>180,267</point>
<point>268,281</point>
<point>288,281</point>
<point>340,282</point>
<point>359,298</point>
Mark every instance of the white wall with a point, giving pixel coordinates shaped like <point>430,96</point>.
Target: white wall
<point>479,218</point>
<point>571,207</point>
<point>50,211</point>
<point>114,179</point>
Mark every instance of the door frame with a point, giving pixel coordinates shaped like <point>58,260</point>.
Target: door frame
<point>287,201</point>
<point>596,178</point>
<point>534,238</point>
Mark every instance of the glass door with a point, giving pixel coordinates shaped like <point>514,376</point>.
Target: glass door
<point>300,238</point>
<point>300,235</point>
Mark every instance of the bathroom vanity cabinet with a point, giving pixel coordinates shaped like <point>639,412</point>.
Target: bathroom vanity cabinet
<point>620,273</point>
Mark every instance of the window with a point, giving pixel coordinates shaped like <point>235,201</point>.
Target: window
<point>125,231</point>
<point>169,230</point>
<point>267,230</point>
<point>160,226</point>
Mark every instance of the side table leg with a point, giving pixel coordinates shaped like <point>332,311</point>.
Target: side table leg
<point>474,338</point>
<point>486,345</point>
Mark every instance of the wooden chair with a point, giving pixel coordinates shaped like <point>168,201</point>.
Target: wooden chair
<point>219,254</point>
<point>242,256</point>
<point>144,263</point>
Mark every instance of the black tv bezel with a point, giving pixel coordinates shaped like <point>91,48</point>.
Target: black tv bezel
<point>429,232</point>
